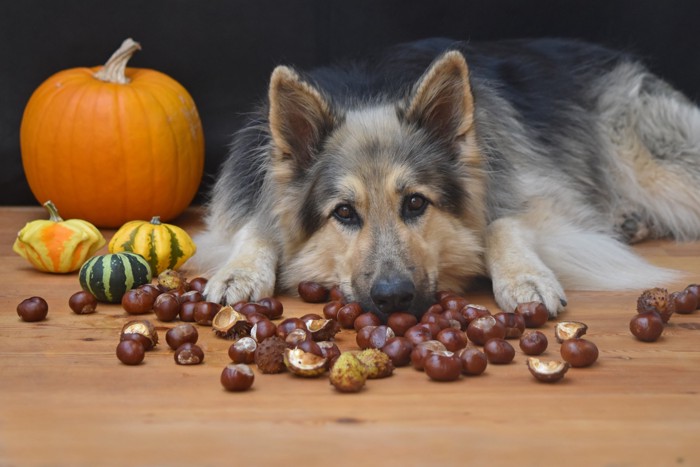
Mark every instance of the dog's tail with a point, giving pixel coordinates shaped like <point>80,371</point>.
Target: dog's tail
<point>595,261</point>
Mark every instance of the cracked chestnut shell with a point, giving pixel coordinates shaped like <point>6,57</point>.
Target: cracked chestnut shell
<point>568,330</point>
<point>547,371</point>
<point>303,363</point>
<point>144,330</point>
<point>230,324</point>
<point>322,329</point>
<point>579,352</point>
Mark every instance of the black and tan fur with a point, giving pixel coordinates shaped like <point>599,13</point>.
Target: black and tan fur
<point>531,162</point>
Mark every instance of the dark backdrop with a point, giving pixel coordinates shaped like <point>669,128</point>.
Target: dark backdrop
<point>222,51</point>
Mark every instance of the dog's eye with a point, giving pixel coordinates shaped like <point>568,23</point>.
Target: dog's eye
<point>346,214</point>
<point>413,206</point>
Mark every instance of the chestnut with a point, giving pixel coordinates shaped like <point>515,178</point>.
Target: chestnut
<point>198,284</point>
<point>310,346</point>
<point>418,333</point>
<point>310,316</point>
<point>204,312</point>
<point>436,319</point>
<point>167,307</point>
<point>243,350</point>
<point>263,329</point>
<point>141,330</point>
<point>348,373</point>
<point>535,314</point>
<point>151,289</point>
<point>547,371</point>
<point>186,311</point>
<point>647,327</point>
<point>189,354</point>
<point>435,308</point>
<point>453,339</point>
<point>579,352</point>
<point>330,309</point>
<point>683,302</point>
<point>250,308</point>
<point>329,350</point>
<point>322,329</point>
<point>273,307</point>
<point>137,301</point>
<point>336,295</point>
<point>130,352</point>
<point>181,334</point>
<point>288,325</point>
<point>191,296</point>
<point>237,377</point>
<point>171,280</point>
<point>377,363</point>
<point>363,335</point>
<point>380,335</point>
<point>656,299</point>
<point>400,322</point>
<point>568,330</point>
<point>456,316</point>
<point>513,322</point>
<point>82,303</point>
<point>694,289</point>
<point>312,292</point>
<point>453,302</point>
<point>347,314</point>
<point>474,361</point>
<point>442,365</point>
<point>302,363</point>
<point>296,337</point>
<point>399,350</point>
<point>484,328</point>
<point>470,312</point>
<point>533,343</point>
<point>366,319</point>
<point>499,351</point>
<point>422,350</point>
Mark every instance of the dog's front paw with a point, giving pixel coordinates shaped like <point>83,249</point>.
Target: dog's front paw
<point>234,284</point>
<point>532,286</point>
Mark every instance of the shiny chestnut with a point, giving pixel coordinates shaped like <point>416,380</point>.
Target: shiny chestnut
<point>82,303</point>
<point>33,309</point>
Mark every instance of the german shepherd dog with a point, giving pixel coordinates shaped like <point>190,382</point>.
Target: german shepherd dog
<point>530,162</point>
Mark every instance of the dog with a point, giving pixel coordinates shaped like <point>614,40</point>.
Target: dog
<point>531,162</point>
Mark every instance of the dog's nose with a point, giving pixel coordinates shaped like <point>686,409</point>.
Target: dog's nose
<point>392,295</point>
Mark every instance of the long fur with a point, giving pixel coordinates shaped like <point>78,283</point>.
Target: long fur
<point>532,162</point>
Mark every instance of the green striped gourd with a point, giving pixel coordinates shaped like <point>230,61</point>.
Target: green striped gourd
<point>108,277</point>
<point>165,246</point>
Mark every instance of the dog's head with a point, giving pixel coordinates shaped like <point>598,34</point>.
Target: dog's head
<point>387,200</point>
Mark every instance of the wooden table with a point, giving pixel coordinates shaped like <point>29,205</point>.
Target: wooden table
<point>66,400</point>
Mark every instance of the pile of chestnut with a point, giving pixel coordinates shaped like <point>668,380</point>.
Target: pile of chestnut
<point>656,306</point>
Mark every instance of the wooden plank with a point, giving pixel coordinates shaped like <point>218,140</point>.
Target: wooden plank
<point>66,400</point>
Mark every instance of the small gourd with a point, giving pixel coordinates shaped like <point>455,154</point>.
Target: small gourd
<point>109,277</point>
<point>57,245</point>
<point>165,246</point>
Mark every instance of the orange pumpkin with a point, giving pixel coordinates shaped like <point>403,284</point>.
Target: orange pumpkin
<point>111,144</point>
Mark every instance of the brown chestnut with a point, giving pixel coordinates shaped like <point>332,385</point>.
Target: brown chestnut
<point>82,303</point>
<point>243,350</point>
<point>474,361</point>
<point>181,334</point>
<point>399,350</point>
<point>533,343</point>
<point>535,314</point>
<point>347,315</point>
<point>453,339</point>
<point>189,354</point>
<point>400,322</point>
<point>363,335</point>
<point>330,351</point>
<point>204,312</point>
<point>471,312</point>
<point>366,319</point>
<point>647,327</point>
<point>151,289</point>
<point>513,322</point>
<point>336,295</point>
<point>442,365</point>
<point>694,289</point>
<point>418,333</point>
<point>263,329</point>
<point>237,377</point>
<point>380,335</point>
<point>130,352</point>
<point>191,296</point>
<point>167,307</point>
<point>453,302</point>
<point>186,311</point>
<point>437,319</point>
<point>456,316</point>
<point>137,301</point>
<point>499,351</point>
<point>288,325</point>
<point>422,350</point>
<point>312,292</point>
<point>579,352</point>
<point>484,328</point>
<point>198,284</point>
<point>683,302</point>
<point>142,330</point>
<point>330,309</point>
<point>274,308</point>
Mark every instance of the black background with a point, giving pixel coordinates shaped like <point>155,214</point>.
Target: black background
<point>223,51</point>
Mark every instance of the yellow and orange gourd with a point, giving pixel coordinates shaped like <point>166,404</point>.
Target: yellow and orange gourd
<point>57,245</point>
<point>111,144</point>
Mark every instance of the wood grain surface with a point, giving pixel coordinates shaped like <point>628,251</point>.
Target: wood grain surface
<point>65,399</point>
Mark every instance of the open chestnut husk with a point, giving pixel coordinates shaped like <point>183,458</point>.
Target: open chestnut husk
<point>303,363</point>
<point>230,324</point>
<point>322,329</point>
<point>568,330</point>
<point>547,371</point>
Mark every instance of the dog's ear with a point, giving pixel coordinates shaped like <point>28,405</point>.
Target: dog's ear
<point>299,116</point>
<point>442,100</point>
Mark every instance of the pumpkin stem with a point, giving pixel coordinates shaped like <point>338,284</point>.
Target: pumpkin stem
<point>155,220</point>
<point>114,71</point>
<point>53,212</point>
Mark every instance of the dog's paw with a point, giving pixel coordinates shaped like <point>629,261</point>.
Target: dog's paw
<point>232,285</point>
<point>532,286</point>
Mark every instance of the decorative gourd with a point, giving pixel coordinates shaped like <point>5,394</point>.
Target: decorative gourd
<point>165,246</point>
<point>111,144</point>
<point>55,245</point>
<point>109,277</point>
